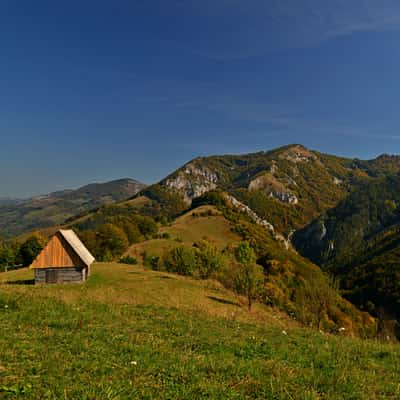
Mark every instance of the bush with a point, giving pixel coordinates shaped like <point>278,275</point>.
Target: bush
<point>209,260</point>
<point>152,262</point>
<point>146,225</point>
<point>132,232</point>
<point>315,300</point>
<point>213,197</point>
<point>128,260</point>
<point>181,260</point>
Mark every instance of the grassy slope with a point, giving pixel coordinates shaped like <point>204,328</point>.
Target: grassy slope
<point>188,229</point>
<point>284,284</point>
<point>130,333</point>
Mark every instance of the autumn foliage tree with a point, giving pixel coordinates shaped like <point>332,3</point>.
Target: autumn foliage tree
<point>250,275</point>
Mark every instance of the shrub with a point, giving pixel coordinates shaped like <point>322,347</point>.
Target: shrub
<point>146,225</point>
<point>132,232</point>
<point>315,300</point>
<point>180,260</point>
<point>213,197</point>
<point>153,262</point>
<point>209,260</point>
<point>128,260</point>
<point>245,254</point>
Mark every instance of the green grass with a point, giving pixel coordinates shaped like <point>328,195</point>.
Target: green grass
<point>195,228</point>
<point>129,333</point>
<point>187,230</point>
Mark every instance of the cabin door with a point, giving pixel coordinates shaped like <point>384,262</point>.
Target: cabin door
<point>51,276</point>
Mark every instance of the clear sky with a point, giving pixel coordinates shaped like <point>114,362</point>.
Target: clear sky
<point>99,90</point>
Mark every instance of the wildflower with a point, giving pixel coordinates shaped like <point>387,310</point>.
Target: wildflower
<point>133,363</point>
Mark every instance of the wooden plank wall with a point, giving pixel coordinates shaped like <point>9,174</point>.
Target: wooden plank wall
<point>64,275</point>
<point>57,254</point>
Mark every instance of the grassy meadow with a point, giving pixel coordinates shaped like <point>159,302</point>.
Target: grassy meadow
<point>205,222</point>
<point>130,333</point>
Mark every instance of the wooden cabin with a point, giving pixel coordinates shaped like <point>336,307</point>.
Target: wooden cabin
<point>65,259</point>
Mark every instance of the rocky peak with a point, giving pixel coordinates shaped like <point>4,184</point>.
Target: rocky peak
<point>297,154</point>
<point>192,181</point>
<point>274,187</point>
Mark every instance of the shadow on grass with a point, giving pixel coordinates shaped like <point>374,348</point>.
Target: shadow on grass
<point>166,277</point>
<point>224,301</point>
<point>21,282</point>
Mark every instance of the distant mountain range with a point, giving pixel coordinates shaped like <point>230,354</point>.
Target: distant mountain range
<point>18,216</point>
<point>9,201</point>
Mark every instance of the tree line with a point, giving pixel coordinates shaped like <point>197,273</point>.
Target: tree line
<point>14,254</point>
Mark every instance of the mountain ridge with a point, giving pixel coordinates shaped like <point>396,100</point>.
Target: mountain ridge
<point>54,208</point>
<point>288,186</point>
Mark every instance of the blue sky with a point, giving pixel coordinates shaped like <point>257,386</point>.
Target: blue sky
<point>99,90</point>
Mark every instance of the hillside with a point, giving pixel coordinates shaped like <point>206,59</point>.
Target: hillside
<point>282,190</point>
<point>358,241</point>
<point>139,334</point>
<point>214,227</point>
<point>54,208</point>
<point>290,283</point>
<point>288,186</point>
<point>202,223</point>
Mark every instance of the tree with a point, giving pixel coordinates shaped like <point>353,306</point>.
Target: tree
<point>210,259</point>
<point>30,249</point>
<point>250,275</point>
<point>132,232</point>
<point>146,225</point>
<point>180,260</point>
<point>89,238</point>
<point>8,254</point>
<point>112,242</point>
<point>212,197</point>
<point>245,254</point>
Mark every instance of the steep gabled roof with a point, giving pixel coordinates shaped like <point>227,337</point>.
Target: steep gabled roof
<point>76,244</point>
<point>63,250</point>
